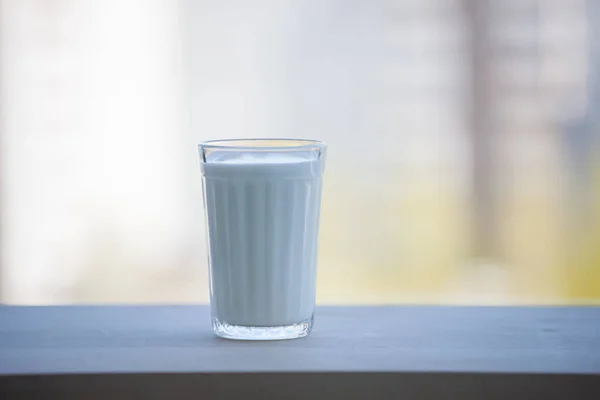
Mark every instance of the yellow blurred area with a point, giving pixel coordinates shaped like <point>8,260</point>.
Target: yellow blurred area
<point>582,267</point>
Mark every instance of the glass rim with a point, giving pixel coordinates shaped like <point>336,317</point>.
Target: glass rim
<point>256,144</point>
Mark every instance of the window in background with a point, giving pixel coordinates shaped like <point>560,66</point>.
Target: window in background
<point>463,162</point>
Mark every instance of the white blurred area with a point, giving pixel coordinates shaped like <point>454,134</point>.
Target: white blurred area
<point>102,104</point>
<point>95,202</point>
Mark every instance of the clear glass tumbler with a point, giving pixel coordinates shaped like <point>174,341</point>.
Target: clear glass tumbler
<point>262,200</point>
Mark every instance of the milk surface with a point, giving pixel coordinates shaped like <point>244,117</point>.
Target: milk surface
<point>263,215</point>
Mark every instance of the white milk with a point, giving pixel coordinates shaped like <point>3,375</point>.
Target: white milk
<point>263,215</point>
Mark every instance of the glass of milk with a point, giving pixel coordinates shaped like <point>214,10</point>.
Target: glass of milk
<point>262,199</point>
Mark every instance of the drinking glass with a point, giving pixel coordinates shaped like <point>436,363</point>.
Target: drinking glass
<point>262,201</point>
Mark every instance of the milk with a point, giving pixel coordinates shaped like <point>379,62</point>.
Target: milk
<point>263,214</point>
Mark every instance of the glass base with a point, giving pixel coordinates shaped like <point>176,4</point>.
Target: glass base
<point>238,332</point>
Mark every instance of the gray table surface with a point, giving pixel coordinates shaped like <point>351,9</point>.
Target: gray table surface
<point>423,341</point>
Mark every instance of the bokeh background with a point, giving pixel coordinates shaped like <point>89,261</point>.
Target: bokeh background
<point>464,143</point>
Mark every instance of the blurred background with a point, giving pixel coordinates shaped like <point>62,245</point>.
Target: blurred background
<point>464,143</point>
